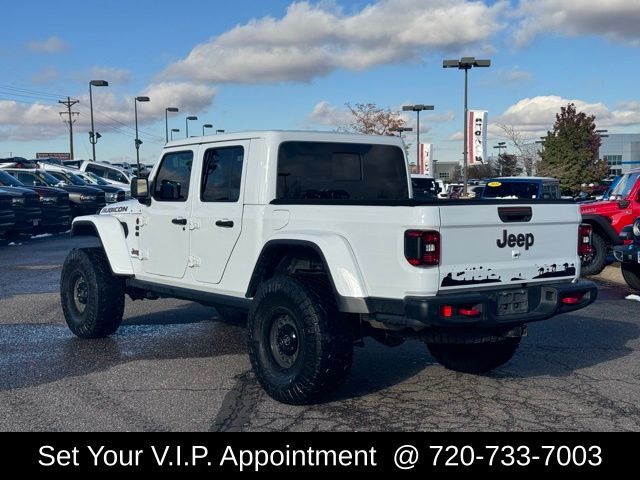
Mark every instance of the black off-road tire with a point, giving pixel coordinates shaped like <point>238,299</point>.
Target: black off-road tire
<point>92,297</point>
<point>322,335</point>
<point>631,274</point>
<point>474,357</point>
<point>233,314</point>
<point>598,260</point>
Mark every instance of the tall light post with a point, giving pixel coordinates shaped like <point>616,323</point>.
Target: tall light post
<point>206,125</point>
<point>402,129</point>
<point>93,135</point>
<point>137,140</point>
<point>186,123</point>
<point>166,120</point>
<point>466,64</point>
<point>174,130</point>
<point>500,146</point>
<point>417,108</point>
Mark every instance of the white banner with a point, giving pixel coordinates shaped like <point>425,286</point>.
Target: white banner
<point>426,159</point>
<point>477,136</point>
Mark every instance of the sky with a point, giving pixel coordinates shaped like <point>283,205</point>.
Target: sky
<point>274,64</point>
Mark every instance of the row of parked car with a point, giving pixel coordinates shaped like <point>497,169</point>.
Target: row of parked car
<point>41,197</point>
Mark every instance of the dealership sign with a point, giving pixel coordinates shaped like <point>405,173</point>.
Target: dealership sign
<point>59,155</point>
<point>477,136</point>
<point>426,159</point>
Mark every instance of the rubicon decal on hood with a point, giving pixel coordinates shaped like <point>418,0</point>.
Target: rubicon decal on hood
<point>120,209</point>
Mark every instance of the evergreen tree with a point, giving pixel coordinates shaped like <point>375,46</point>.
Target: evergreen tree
<point>571,150</point>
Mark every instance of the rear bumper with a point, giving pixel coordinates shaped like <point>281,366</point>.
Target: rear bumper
<point>627,253</point>
<point>544,301</point>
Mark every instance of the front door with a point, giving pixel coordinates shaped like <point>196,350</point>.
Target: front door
<point>217,210</point>
<point>164,233</point>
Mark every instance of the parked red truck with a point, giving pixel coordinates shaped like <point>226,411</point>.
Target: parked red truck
<point>609,217</point>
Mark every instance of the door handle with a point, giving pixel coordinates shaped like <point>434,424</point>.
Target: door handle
<point>179,221</point>
<point>224,223</point>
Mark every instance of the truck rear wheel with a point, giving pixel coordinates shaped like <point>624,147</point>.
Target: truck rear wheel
<point>92,297</point>
<point>631,274</point>
<point>474,357</point>
<point>300,346</point>
<point>595,263</point>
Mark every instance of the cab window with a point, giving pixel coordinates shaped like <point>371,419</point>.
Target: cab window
<point>100,171</point>
<point>221,174</point>
<point>172,181</point>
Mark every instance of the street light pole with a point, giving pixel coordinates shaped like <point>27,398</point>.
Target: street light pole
<point>176,130</point>
<point>466,64</point>
<point>206,125</point>
<point>137,140</point>
<point>93,135</point>
<point>417,108</point>
<point>500,146</point>
<point>166,121</point>
<point>186,123</point>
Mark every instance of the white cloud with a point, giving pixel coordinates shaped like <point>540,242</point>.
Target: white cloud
<point>313,40</point>
<point>25,122</point>
<point>327,115</point>
<point>50,45</point>
<point>110,74</point>
<point>535,116</point>
<point>614,19</point>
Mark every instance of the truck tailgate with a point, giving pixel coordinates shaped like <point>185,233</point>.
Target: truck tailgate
<point>504,244</point>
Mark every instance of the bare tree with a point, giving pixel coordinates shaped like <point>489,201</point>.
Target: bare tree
<point>526,151</point>
<point>370,119</point>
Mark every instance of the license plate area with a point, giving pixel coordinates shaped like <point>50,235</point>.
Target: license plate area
<point>512,302</point>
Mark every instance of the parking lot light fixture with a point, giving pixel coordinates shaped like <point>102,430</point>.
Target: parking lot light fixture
<point>206,125</point>
<point>186,123</point>
<point>166,120</point>
<point>137,140</point>
<point>417,108</point>
<point>219,131</point>
<point>174,130</point>
<point>466,64</point>
<point>93,135</point>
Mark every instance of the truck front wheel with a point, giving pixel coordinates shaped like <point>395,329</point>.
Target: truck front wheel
<point>474,357</point>
<point>631,274</point>
<point>92,298</point>
<point>300,346</point>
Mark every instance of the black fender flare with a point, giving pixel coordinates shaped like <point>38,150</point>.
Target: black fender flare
<point>603,227</point>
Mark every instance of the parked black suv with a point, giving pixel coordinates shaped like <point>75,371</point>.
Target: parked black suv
<point>83,200</point>
<point>54,202</point>
<point>26,210</point>
<point>7,217</point>
<point>629,255</point>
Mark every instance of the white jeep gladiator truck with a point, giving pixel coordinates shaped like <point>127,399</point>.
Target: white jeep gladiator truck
<point>314,240</point>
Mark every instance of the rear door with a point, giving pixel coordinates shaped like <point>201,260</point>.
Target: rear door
<point>216,220</point>
<point>493,245</point>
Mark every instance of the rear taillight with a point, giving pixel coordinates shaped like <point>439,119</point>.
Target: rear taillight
<point>573,298</point>
<point>584,239</point>
<point>422,247</point>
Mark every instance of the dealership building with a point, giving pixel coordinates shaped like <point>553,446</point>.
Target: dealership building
<point>621,151</point>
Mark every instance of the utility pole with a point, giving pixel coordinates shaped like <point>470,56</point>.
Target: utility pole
<point>69,103</point>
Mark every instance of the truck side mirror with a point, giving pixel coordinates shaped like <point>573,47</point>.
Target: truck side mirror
<point>140,188</point>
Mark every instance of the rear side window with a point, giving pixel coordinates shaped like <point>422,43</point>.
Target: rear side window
<point>100,171</point>
<point>29,179</point>
<point>341,171</point>
<point>518,189</point>
<point>116,176</point>
<point>222,174</point>
<point>172,181</point>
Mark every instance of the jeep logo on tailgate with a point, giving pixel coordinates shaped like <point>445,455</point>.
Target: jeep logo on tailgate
<point>511,240</point>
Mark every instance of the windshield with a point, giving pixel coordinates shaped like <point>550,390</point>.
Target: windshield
<point>7,180</point>
<point>73,178</point>
<point>624,186</point>
<point>96,178</point>
<point>48,179</point>
<point>424,188</point>
<point>506,189</point>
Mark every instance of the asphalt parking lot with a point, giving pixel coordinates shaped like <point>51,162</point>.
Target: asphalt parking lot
<point>175,365</point>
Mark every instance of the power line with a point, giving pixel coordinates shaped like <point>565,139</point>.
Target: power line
<point>34,92</point>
